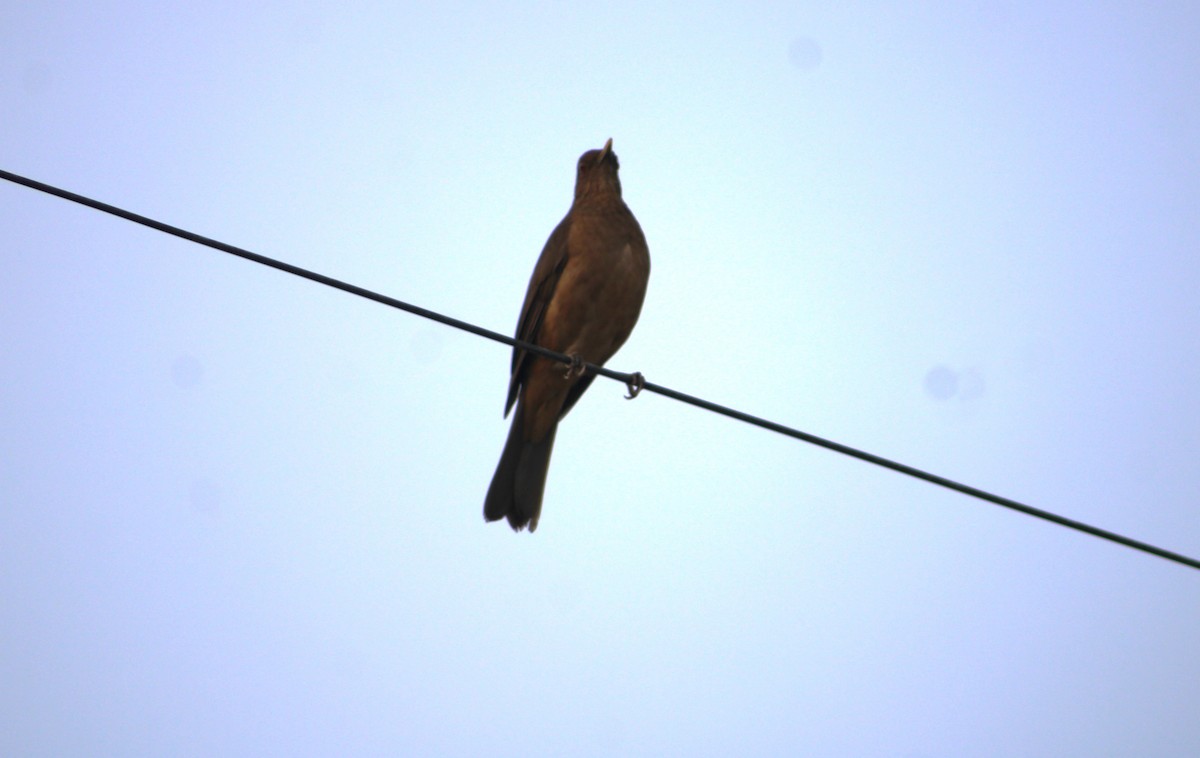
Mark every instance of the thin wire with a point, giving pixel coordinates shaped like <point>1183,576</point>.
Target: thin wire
<point>634,381</point>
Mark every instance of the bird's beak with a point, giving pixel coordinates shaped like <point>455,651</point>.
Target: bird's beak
<point>607,149</point>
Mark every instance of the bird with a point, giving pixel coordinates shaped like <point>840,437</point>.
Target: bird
<point>583,300</point>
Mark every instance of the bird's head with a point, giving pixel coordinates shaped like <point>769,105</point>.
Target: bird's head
<point>597,172</point>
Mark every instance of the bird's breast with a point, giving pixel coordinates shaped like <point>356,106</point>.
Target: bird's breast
<point>598,299</point>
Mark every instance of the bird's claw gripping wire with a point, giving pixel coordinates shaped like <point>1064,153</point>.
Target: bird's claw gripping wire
<point>575,368</point>
<point>635,384</point>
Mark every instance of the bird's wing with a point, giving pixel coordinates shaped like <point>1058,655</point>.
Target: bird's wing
<point>574,392</point>
<point>541,289</point>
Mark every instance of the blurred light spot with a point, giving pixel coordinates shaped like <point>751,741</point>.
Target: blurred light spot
<point>204,496</point>
<point>805,53</point>
<point>941,383</point>
<point>186,371</point>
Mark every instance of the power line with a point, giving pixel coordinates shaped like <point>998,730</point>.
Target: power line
<point>634,381</point>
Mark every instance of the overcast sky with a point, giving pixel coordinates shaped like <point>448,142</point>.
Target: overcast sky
<point>240,513</point>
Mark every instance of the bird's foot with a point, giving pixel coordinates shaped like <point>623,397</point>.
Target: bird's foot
<point>575,368</point>
<point>636,384</point>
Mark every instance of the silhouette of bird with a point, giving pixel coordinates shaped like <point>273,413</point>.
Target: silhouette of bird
<point>583,300</point>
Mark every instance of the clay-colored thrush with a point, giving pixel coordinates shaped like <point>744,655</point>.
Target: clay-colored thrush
<point>583,300</point>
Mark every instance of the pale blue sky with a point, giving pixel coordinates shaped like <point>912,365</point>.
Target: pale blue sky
<point>240,514</point>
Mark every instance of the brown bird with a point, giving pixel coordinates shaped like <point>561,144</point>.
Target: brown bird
<point>583,300</point>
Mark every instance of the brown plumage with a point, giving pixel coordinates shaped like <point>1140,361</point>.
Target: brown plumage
<point>583,300</point>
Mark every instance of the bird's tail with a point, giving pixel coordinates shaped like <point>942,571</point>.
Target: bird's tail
<point>520,478</point>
